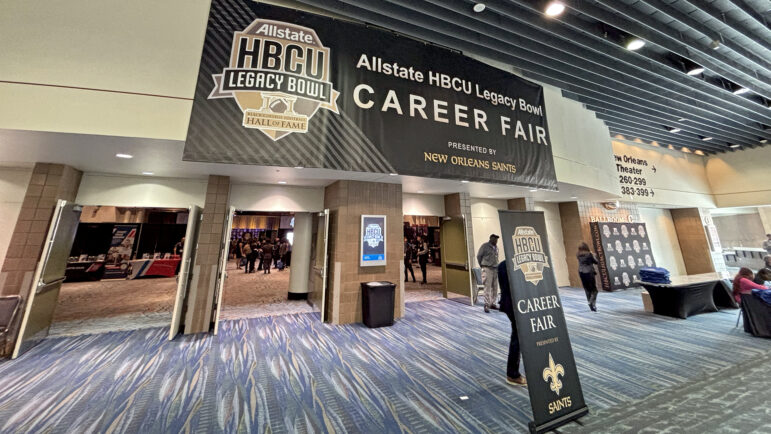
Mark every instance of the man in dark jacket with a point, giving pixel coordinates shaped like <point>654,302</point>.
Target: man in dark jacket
<point>507,306</point>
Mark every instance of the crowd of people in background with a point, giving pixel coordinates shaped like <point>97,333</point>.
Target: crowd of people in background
<point>265,253</point>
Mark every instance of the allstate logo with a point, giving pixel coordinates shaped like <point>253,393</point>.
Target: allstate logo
<point>373,235</point>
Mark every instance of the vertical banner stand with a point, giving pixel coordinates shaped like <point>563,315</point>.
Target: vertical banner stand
<point>552,377</point>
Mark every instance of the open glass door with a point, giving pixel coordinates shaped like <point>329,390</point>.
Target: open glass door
<point>223,274</point>
<point>456,272</point>
<point>317,277</point>
<point>48,278</point>
<point>185,276</point>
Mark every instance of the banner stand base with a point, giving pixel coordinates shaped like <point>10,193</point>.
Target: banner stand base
<point>556,423</point>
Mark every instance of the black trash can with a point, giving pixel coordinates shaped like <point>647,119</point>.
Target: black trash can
<point>377,303</point>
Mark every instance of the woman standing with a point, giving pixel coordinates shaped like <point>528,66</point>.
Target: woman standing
<point>422,256</point>
<point>586,262</point>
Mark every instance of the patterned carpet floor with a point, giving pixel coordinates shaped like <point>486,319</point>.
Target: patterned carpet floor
<point>439,369</point>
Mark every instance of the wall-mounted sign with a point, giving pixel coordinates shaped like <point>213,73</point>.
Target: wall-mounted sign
<point>552,377</point>
<point>622,249</point>
<point>629,218</point>
<point>278,87</point>
<point>373,240</point>
<point>633,175</point>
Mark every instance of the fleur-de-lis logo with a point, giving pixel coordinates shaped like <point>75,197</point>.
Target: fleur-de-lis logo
<point>553,371</point>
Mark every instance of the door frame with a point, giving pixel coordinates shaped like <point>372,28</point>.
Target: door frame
<point>36,284</point>
<point>185,276</point>
<point>222,272</point>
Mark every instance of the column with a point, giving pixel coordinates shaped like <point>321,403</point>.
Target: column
<point>301,257</point>
<point>693,241</point>
<point>347,201</point>
<point>48,183</point>
<point>521,204</point>
<point>459,205</point>
<point>200,299</point>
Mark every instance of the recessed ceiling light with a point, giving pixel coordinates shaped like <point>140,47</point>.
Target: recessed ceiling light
<point>573,197</point>
<point>282,182</point>
<point>741,90</point>
<point>148,173</point>
<point>673,129</point>
<point>420,191</point>
<point>124,156</point>
<point>465,181</point>
<point>489,196</point>
<point>554,8</point>
<point>696,70</point>
<point>479,7</point>
<point>532,190</point>
<point>393,174</point>
<point>763,140</point>
<point>734,146</point>
<point>682,119</point>
<point>547,200</point>
<point>635,44</point>
<point>715,44</point>
<point>299,167</point>
<point>706,139</point>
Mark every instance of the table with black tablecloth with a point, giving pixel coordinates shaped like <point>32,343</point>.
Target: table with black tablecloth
<point>690,295</point>
<point>757,316</point>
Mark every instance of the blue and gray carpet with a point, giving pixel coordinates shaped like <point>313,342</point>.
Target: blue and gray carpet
<point>440,369</point>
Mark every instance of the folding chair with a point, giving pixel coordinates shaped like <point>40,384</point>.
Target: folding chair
<point>9,307</point>
<point>480,286</point>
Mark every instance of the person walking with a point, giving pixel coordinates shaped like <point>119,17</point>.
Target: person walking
<point>267,256</point>
<point>513,376</point>
<point>408,254</point>
<point>282,252</point>
<point>422,257</point>
<point>239,246</point>
<point>487,257</point>
<point>586,270</point>
<point>276,255</point>
<point>246,250</point>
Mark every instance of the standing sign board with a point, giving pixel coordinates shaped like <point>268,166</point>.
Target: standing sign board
<point>373,240</point>
<point>622,249</point>
<point>552,378</point>
<point>290,88</point>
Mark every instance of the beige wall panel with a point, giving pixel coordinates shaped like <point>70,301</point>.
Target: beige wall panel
<point>741,178</point>
<point>663,236</point>
<point>423,204</point>
<point>13,185</point>
<point>261,197</point>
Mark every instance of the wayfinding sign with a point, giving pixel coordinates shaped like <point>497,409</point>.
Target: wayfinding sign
<point>552,378</point>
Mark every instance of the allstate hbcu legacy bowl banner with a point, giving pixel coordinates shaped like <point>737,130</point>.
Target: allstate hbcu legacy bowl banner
<point>278,87</point>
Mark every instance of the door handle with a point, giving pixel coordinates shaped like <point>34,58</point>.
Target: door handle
<point>43,287</point>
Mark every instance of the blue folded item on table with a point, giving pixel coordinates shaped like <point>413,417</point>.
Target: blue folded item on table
<point>654,275</point>
<point>763,294</point>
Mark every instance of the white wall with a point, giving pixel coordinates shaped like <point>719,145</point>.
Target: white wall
<point>13,185</point>
<point>664,243</point>
<point>740,230</point>
<point>141,191</point>
<point>551,213</point>
<point>263,197</point>
<point>741,178</point>
<point>679,179</point>
<point>485,221</point>
<point>422,204</point>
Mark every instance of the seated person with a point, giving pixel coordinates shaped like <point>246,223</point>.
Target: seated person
<point>743,283</point>
<point>762,276</point>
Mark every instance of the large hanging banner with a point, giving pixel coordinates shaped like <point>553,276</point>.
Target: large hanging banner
<point>552,378</point>
<point>279,87</point>
<point>622,249</point>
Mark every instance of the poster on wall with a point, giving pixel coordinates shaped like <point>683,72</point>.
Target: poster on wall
<point>119,254</point>
<point>622,249</point>
<point>552,377</point>
<point>373,240</point>
<point>280,87</point>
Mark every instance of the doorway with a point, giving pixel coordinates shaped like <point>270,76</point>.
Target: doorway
<point>121,271</point>
<point>109,268</point>
<point>422,237</point>
<point>260,266</point>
